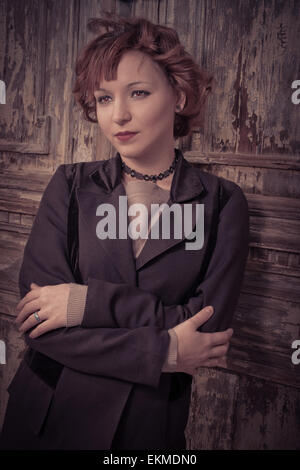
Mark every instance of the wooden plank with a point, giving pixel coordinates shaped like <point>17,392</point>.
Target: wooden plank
<point>267,416</point>
<point>240,363</point>
<point>12,241</point>
<point>264,329</point>
<point>24,127</point>
<point>268,284</point>
<point>267,267</point>
<point>9,299</point>
<point>268,232</point>
<point>14,229</point>
<point>210,424</point>
<point>90,143</point>
<point>3,33</point>
<point>265,181</point>
<point>32,181</point>
<point>274,161</point>
<point>251,56</point>
<point>280,259</point>
<point>22,206</point>
<point>271,323</point>
<point>273,206</point>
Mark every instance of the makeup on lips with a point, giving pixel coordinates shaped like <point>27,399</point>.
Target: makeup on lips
<point>124,136</point>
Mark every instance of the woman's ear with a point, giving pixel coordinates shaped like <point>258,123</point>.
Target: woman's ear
<point>181,100</point>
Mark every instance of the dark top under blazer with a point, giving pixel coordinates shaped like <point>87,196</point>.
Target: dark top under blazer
<point>115,357</point>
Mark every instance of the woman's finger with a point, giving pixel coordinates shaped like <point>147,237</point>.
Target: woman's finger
<point>214,362</point>
<point>31,295</point>
<point>223,362</point>
<point>33,285</point>
<point>41,329</point>
<point>31,322</point>
<point>27,310</point>
<point>221,337</point>
<point>219,351</point>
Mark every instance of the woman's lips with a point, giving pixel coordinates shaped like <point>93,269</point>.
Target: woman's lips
<point>124,137</point>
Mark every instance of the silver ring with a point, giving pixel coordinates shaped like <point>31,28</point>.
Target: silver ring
<point>36,316</point>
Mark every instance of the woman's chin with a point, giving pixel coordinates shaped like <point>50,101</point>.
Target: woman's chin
<point>130,152</point>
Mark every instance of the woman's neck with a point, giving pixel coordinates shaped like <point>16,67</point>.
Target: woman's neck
<point>165,183</point>
<point>151,165</point>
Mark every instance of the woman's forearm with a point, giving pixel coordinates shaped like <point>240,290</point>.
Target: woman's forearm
<point>75,310</point>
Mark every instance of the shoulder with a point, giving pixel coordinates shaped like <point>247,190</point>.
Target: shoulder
<point>65,176</point>
<point>229,203</point>
<point>82,168</point>
<point>217,186</point>
<point>70,175</point>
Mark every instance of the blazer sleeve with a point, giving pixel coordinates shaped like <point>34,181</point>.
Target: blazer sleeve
<point>135,355</point>
<point>122,305</point>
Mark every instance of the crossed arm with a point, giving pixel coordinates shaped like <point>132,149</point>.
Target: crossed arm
<point>113,339</point>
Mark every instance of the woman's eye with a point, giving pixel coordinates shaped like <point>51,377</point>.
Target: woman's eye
<point>141,92</point>
<point>104,99</point>
<point>100,99</point>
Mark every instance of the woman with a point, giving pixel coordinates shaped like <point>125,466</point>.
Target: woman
<point>113,347</point>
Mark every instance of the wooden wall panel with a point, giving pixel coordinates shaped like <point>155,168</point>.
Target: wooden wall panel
<point>36,122</point>
<point>250,136</point>
<point>238,412</point>
<point>89,143</point>
<point>24,127</point>
<point>252,48</point>
<point>211,417</point>
<point>267,416</point>
<point>269,178</point>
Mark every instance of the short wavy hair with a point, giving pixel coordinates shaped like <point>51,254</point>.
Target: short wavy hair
<point>117,35</point>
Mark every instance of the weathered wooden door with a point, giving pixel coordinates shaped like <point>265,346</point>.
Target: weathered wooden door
<point>251,135</point>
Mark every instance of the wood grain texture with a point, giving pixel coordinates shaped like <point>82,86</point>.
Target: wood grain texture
<point>211,418</point>
<point>24,127</point>
<point>252,49</point>
<point>267,416</point>
<point>252,175</point>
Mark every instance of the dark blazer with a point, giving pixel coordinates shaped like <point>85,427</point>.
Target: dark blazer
<point>100,385</point>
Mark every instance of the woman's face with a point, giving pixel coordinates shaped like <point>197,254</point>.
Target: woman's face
<point>146,107</point>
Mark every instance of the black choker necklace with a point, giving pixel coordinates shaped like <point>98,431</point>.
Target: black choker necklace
<point>153,178</point>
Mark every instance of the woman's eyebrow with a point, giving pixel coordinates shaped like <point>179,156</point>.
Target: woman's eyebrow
<point>127,86</point>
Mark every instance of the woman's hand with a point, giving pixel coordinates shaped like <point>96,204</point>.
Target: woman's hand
<point>50,302</point>
<point>197,349</point>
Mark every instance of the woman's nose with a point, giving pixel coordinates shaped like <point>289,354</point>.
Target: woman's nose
<point>121,112</point>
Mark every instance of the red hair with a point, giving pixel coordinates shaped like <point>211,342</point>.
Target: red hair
<point>101,56</point>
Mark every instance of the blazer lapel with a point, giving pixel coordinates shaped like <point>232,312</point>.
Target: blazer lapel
<point>186,188</point>
<point>107,190</point>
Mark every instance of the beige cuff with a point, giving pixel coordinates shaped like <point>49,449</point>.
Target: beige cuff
<point>170,363</point>
<point>76,304</point>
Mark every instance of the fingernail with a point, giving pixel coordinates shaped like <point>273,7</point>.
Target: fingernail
<point>210,309</point>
